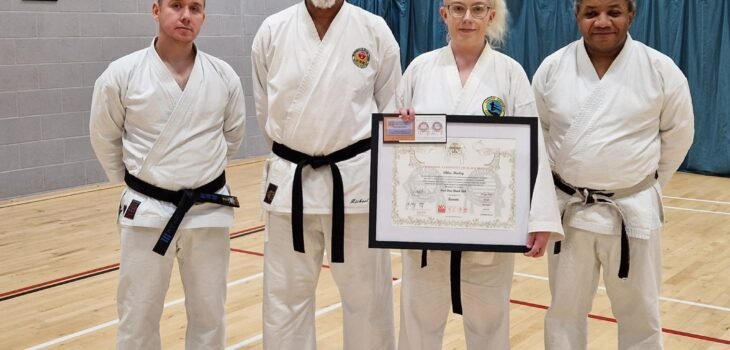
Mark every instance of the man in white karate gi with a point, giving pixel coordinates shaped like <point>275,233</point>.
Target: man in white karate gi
<point>470,77</point>
<point>165,120</point>
<point>320,69</point>
<point>618,121</point>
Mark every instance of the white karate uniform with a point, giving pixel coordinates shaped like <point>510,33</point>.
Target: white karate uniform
<point>608,134</point>
<point>432,84</point>
<point>316,97</point>
<point>175,139</point>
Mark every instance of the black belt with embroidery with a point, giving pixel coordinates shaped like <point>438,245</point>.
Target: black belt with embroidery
<point>338,196</point>
<point>183,200</point>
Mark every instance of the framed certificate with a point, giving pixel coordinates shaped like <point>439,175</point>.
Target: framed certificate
<point>470,193</point>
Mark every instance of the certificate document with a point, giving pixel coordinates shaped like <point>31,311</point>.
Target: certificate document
<point>471,192</point>
<point>465,183</point>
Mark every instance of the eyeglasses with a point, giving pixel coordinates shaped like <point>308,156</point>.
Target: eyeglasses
<point>458,10</point>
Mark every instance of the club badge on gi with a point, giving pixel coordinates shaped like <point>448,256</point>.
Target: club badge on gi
<point>493,106</point>
<point>361,57</point>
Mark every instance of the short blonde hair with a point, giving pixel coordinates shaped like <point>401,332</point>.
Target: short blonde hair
<point>497,30</point>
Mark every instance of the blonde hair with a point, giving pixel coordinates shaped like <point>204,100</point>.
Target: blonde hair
<point>497,30</point>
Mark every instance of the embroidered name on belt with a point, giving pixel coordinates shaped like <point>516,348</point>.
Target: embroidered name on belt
<point>270,193</point>
<point>493,106</point>
<point>361,57</point>
<point>132,209</point>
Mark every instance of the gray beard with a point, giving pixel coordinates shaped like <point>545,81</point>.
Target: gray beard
<point>323,4</point>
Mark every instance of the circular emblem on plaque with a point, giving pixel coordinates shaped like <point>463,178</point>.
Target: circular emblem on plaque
<point>493,106</point>
<point>423,127</point>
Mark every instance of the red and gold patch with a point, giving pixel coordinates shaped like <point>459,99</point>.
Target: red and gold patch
<point>361,57</point>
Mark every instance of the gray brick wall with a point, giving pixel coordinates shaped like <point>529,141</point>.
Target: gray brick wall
<point>52,52</point>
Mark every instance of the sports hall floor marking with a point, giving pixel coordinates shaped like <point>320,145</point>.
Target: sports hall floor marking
<point>101,270</point>
<point>112,323</point>
<point>697,200</point>
<point>98,271</point>
<point>698,210</point>
<point>93,272</point>
<point>323,311</point>
<point>338,305</point>
<point>672,300</point>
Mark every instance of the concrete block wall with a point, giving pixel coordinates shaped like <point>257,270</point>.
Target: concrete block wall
<point>51,53</point>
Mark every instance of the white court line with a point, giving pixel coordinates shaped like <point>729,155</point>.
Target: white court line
<point>698,210</point>
<point>320,312</point>
<point>74,335</point>
<point>259,337</point>
<point>111,323</point>
<point>673,300</point>
<point>678,301</point>
<point>697,200</point>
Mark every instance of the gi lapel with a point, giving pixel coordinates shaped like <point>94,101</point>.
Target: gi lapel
<point>464,100</point>
<point>590,107</point>
<point>319,63</point>
<point>467,102</point>
<point>181,114</point>
<point>450,74</point>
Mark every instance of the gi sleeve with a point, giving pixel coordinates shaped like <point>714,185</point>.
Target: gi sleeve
<point>259,75</point>
<point>538,88</point>
<point>234,117</point>
<point>106,125</point>
<point>676,130</point>
<point>544,210</point>
<point>404,93</point>
<point>389,72</point>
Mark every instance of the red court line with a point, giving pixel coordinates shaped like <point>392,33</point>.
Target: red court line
<point>59,280</point>
<point>93,272</point>
<point>696,336</point>
<point>545,307</point>
<point>246,231</point>
<point>613,320</point>
<point>524,303</point>
<point>246,252</point>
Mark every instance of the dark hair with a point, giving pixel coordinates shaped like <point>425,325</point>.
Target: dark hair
<point>631,3</point>
<point>159,2</point>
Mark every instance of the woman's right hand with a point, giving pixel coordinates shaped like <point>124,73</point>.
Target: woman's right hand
<point>407,114</point>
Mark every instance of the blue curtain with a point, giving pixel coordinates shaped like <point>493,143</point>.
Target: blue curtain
<point>416,24</point>
<point>694,33</point>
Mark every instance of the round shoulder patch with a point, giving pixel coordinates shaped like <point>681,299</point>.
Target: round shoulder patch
<point>493,106</point>
<point>361,57</point>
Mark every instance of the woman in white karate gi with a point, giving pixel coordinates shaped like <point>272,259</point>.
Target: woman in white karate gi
<point>468,77</point>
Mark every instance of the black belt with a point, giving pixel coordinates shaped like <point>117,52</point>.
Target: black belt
<point>454,278</point>
<point>183,200</point>
<point>338,196</point>
<point>591,196</point>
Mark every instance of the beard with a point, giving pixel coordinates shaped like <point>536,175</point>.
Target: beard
<point>323,4</point>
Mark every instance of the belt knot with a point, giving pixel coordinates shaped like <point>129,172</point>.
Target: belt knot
<point>318,161</point>
<point>590,196</point>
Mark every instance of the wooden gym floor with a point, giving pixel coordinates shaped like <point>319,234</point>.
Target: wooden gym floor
<point>60,254</point>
